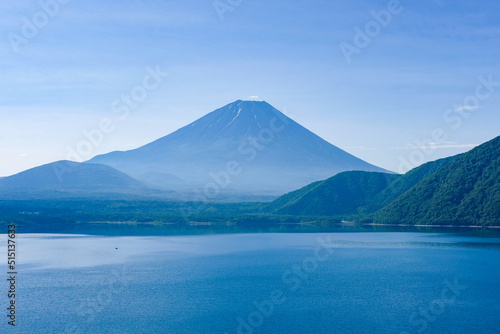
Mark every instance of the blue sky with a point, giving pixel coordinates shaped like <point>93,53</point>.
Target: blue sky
<point>419,72</point>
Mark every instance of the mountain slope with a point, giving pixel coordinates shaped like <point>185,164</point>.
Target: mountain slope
<point>69,177</point>
<point>245,147</point>
<point>343,193</point>
<point>464,192</point>
<point>405,183</point>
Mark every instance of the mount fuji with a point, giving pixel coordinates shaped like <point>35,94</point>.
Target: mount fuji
<point>244,148</point>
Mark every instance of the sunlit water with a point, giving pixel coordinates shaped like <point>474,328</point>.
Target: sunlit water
<point>256,283</point>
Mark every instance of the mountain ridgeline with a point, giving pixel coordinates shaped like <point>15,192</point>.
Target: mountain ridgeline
<point>341,194</point>
<point>465,191</point>
<point>459,190</point>
<point>248,151</point>
<point>245,147</point>
<point>69,179</point>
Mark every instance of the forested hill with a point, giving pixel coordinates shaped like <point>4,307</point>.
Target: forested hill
<point>341,194</point>
<point>464,192</point>
<point>405,183</point>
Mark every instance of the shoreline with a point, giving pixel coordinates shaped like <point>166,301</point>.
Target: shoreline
<point>434,226</point>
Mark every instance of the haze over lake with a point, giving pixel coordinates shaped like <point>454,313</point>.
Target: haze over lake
<point>259,283</point>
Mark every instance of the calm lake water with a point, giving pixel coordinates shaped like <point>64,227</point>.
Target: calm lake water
<point>256,283</point>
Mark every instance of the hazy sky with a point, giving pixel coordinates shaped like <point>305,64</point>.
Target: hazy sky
<point>374,87</point>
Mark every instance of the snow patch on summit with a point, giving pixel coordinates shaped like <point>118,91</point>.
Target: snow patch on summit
<point>256,120</point>
<point>239,111</point>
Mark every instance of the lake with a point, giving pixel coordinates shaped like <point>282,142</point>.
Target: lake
<point>388,282</point>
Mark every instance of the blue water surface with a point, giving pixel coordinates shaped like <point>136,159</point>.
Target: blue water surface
<point>256,283</point>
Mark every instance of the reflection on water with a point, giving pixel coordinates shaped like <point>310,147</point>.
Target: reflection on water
<point>346,282</point>
<point>72,251</point>
<point>159,229</point>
